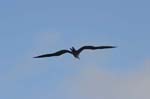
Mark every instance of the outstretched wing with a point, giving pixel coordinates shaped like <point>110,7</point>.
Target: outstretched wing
<point>94,48</point>
<point>58,53</point>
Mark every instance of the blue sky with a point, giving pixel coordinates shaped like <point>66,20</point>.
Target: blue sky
<point>33,27</point>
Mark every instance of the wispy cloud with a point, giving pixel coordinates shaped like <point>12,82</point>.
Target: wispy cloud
<point>92,83</point>
<point>27,66</point>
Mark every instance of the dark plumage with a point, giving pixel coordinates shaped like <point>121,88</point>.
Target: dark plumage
<point>74,52</point>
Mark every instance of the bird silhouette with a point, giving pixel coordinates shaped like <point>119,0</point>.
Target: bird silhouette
<point>74,52</point>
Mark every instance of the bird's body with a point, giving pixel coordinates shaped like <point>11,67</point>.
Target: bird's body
<point>73,51</point>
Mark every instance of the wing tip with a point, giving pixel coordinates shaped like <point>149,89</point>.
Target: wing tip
<point>109,46</point>
<point>113,46</point>
<point>37,57</point>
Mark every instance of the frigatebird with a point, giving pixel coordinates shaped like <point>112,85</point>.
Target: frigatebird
<point>74,52</point>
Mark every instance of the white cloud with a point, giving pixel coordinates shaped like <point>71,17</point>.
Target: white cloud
<point>92,83</point>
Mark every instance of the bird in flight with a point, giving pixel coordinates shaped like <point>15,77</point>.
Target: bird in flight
<point>74,52</point>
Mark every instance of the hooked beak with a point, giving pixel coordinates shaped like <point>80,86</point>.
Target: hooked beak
<point>78,58</point>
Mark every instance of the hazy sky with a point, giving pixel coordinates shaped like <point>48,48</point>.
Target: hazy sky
<point>34,27</point>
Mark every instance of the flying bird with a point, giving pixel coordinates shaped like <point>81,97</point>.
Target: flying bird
<point>74,52</point>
